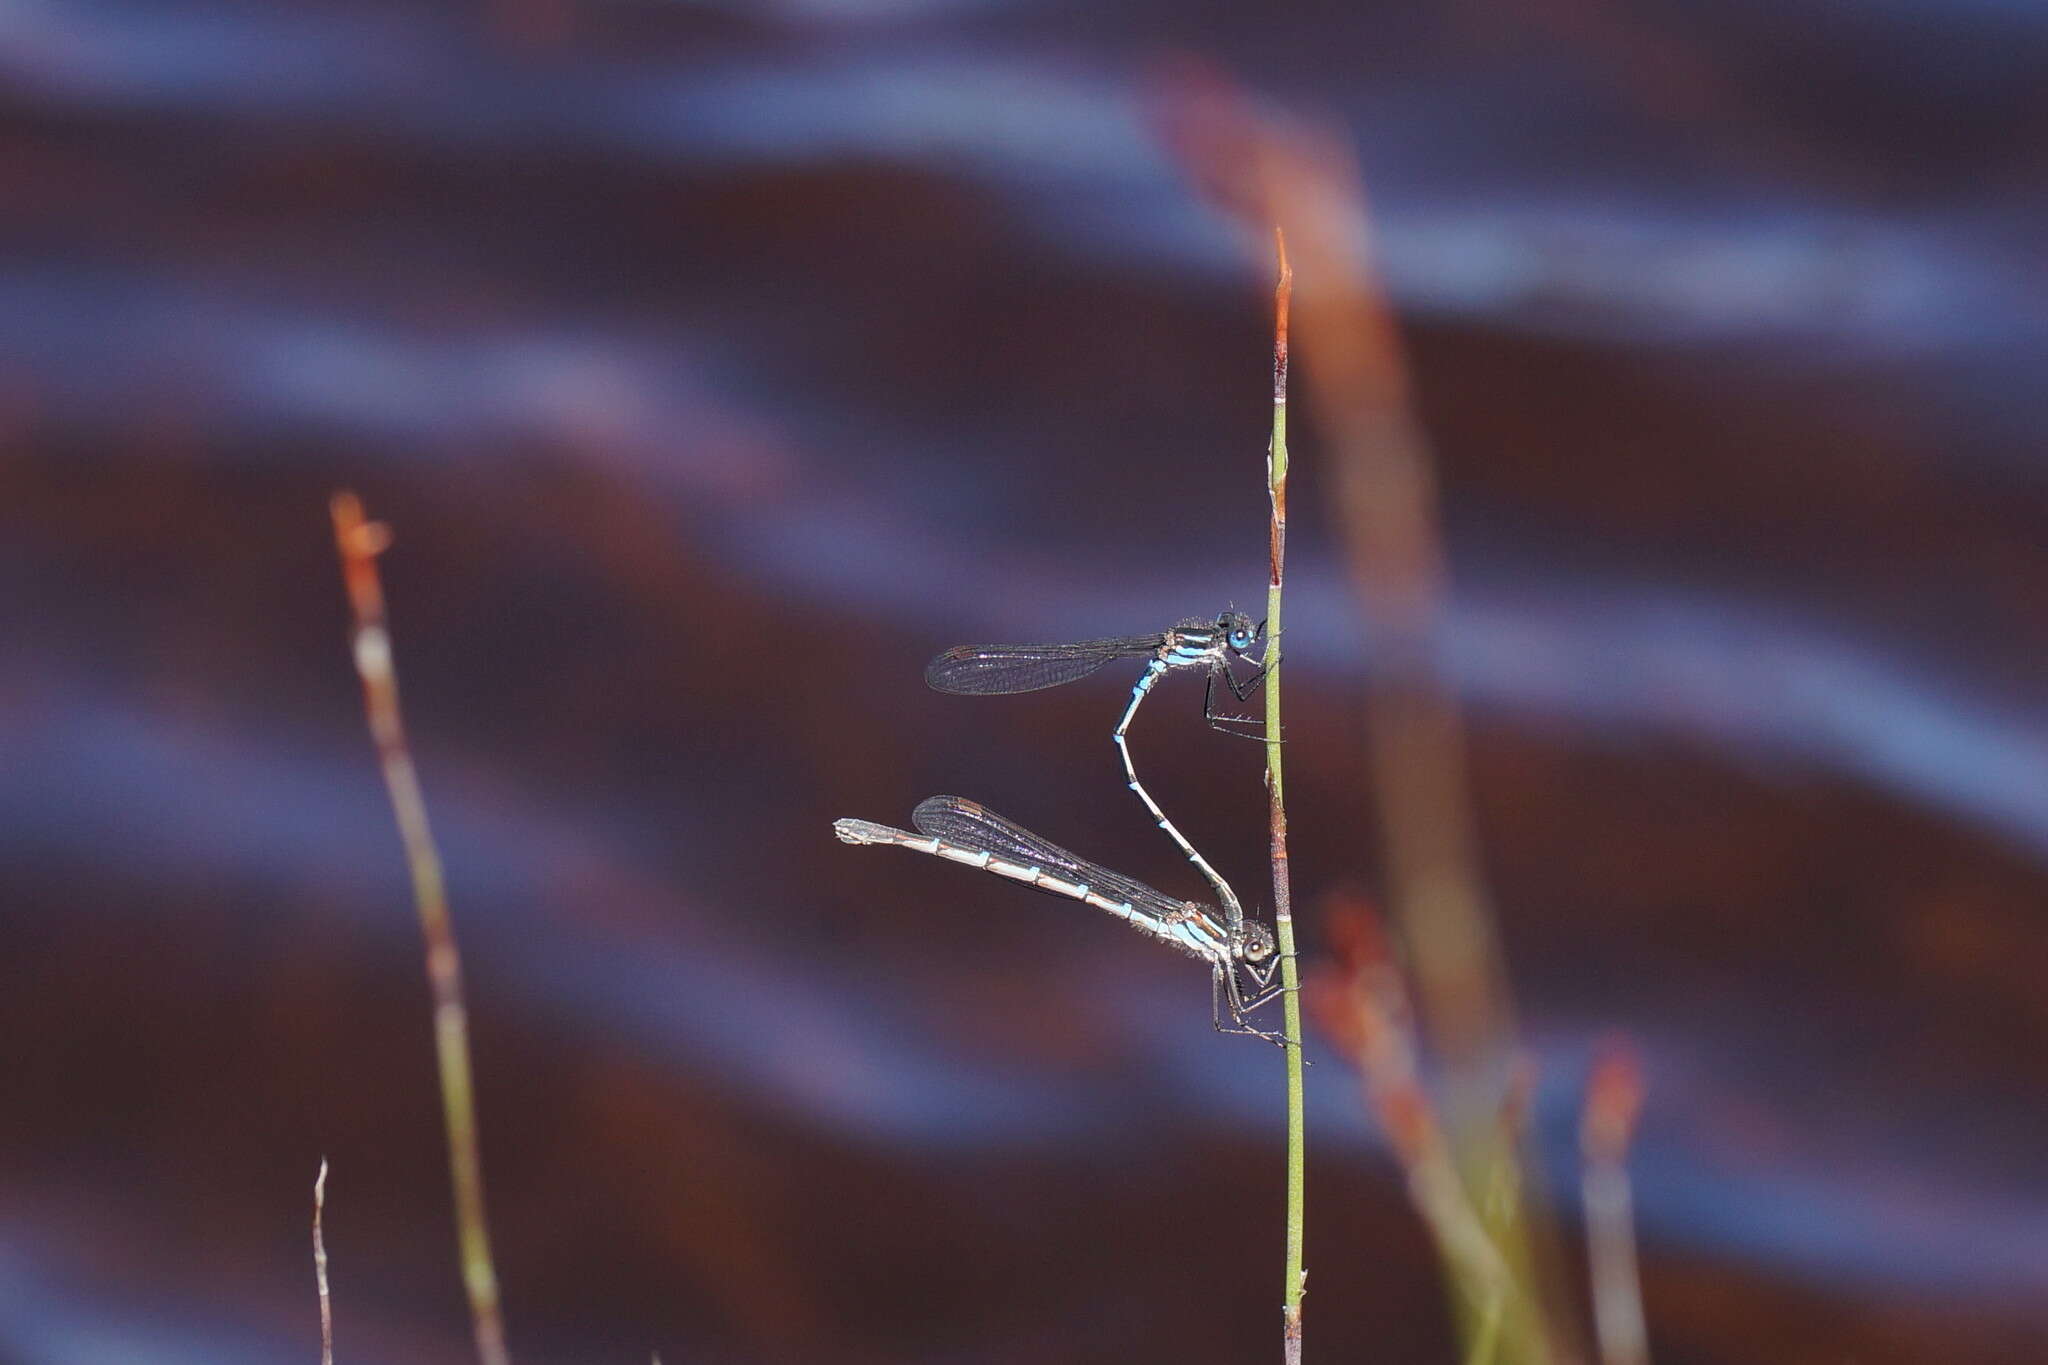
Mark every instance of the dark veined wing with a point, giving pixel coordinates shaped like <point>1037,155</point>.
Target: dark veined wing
<point>990,670</point>
<point>971,825</point>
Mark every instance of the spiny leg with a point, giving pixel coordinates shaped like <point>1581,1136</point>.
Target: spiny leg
<point>1233,912</point>
<point>1221,724</point>
<point>1221,984</point>
<point>1241,692</point>
<point>1268,990</point>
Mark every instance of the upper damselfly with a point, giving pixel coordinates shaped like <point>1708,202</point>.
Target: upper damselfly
<point>987,670</point>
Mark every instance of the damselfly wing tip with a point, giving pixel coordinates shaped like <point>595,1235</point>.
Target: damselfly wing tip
<point>938,673</point>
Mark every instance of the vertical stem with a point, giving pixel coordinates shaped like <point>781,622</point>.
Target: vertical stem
<point>360,542</point>
<point>320,1266</point>
<point>1283,903</point>
<point>1486,1336</point>
<point>1264,169</point>
<point>1387,503</point>
<point>1613,1102</point>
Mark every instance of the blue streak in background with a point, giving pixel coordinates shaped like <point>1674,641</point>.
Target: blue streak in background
<point>101,777</point>
<point>101,772</point>
<point>1803,281</point>
<point>1744,675</point>
<point>1829,1195</point>
<point>1523,638</point>
<point>47,1319</point>
<point>1587,252</point>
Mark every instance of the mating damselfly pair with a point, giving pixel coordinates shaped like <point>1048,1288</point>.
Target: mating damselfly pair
<point>1239,952</point>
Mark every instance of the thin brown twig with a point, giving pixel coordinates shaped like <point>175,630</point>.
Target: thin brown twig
<point>360,541</point>
<point>320,1266</point>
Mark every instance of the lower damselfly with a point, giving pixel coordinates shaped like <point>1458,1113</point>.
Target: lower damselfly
<point>989,670</point>
<point>965,831</point>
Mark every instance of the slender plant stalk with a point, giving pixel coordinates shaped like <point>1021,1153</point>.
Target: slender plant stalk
<point>1261,169</point>
<point>1372,1019</point>
<point>1385,487</point>
<point>1283,901</point>
<point>1613,1101</point>
<point>360,541</point>
<point>320,1266</point>
<point>1486,1336</point>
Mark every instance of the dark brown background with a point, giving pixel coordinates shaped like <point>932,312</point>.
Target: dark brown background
<point>715,366</point>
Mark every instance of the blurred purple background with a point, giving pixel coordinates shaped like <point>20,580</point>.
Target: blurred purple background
<point>716,365</point>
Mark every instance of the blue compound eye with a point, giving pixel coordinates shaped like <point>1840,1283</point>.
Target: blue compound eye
<point>1240,639</point>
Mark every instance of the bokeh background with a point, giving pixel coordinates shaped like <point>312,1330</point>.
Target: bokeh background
<point>716,364</point>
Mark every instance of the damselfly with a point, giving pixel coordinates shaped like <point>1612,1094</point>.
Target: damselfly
<point>967,832</point>
<point>987,670</point>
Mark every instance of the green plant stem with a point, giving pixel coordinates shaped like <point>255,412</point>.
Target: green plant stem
<point>1283,904</point>
<point>1486,1336</point>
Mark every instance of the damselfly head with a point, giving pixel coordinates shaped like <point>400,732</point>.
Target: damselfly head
<point>1258,942</point>
<point>1236,628</point>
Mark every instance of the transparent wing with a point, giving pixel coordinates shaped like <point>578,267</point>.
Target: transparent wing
<point>971,825</point>
<point>991,670</point>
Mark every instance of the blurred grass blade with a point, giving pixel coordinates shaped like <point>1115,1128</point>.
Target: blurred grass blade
<point>360,542</point>
<point>1614,1099</point>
